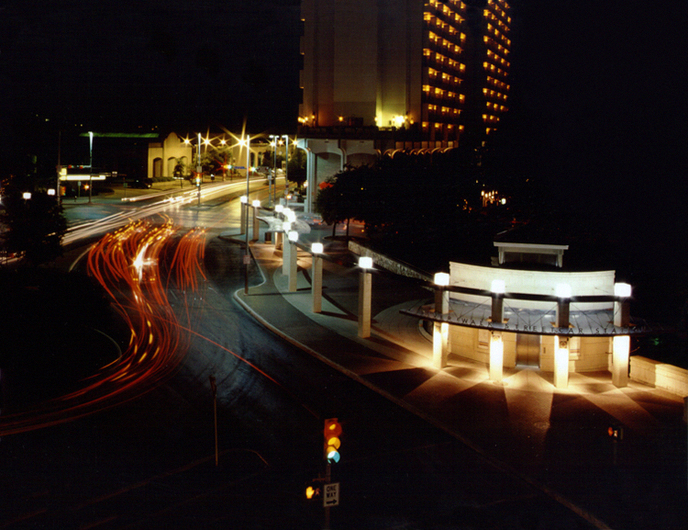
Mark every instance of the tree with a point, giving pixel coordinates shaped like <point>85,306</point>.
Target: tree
<point>35,226</point>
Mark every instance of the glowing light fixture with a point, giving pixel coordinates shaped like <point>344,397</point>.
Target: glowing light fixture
<point>498,287</point>
<point>441,279</point>
<point>365,262</point>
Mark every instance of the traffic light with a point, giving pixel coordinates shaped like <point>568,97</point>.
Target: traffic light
<point>332,432</point>
<point>615,432</point>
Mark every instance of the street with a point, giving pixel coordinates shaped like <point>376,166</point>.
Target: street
<point>148,460</point>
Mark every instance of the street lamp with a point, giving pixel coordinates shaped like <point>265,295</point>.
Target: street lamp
<point>199,168</point>
<point>90,165</point>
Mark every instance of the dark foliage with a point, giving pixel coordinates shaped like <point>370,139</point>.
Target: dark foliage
<point>35,226</point>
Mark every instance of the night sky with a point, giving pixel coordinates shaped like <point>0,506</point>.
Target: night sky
<point>598,110</point>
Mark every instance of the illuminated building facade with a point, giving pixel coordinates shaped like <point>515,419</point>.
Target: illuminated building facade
<point>436,67</point>
<point>409,75</point>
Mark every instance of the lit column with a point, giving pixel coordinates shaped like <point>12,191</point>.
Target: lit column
<point>622,305</point>
<point>621,347</point>
<point>563,293</point>
<point>498,288</point>
<point>365,296</point>
<point>278,233</point>
<point>316,274</point>
<point>496,357</point>
<point>561,362</point>
<point>293,254</point>
<point>440,331</point>
<point>621,344</point>
<point>286,228</point>
<point>256,227</point>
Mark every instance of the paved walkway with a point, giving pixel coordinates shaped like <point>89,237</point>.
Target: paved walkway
<point>554,438</point>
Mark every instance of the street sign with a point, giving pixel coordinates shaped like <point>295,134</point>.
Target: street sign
<point>331,496</point>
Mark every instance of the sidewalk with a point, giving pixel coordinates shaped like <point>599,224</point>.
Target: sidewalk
<point>556,439</point>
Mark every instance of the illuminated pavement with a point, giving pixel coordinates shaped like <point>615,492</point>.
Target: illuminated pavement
<point>556,439</point>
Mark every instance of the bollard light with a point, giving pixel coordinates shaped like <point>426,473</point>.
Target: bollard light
<point>293,236</point>
<point>256,203</point>
<point>317,248</point>
<point>563,290</point>
<point>498,287</point>
<point>365,262</point>
<point>243,199</point>
<point>622,290</point>
<point>279,208</point>
<point>441,279</point>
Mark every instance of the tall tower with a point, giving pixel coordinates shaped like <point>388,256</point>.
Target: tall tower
<point>414,75</point>
<point>437,67</point>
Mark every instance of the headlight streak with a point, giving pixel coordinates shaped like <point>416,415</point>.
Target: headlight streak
<point>139,299</point>
<point>157,342</point>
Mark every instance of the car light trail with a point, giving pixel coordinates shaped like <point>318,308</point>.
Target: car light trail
<point>126,264</point>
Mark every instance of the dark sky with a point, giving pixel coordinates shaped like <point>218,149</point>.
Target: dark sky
<point>598,104</point>
<point>125,63</point>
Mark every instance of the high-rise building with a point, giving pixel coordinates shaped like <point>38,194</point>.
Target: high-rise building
<point>437,68</point>
<point>400,74</point>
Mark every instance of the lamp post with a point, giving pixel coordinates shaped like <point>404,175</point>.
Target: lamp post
<point>440,334</point>
<point>364,296</point>
<point>199,168</point>
<point>316,274</point>
<point>90,165</point>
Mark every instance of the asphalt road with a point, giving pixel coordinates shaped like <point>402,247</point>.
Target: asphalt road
<point>150,462</point>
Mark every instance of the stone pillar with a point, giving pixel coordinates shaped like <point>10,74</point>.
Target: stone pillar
<point>440,335</point>
<point>621,348</point>
<point>316,286</point>
<point>364,303</point>
<point>496,357</point>
<point>256,222</point>
<point>561,362</point>
<point>292,261</point>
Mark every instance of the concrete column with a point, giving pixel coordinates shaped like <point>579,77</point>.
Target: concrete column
<point>364,304</point>
<point>440,335</point>
<point>292,265</point>
<point>563,312</point>
<point>621,348</point>
<point>561,362</point>
<point>256,222</point>
<point>496,357</point>
<point>316,286</point>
